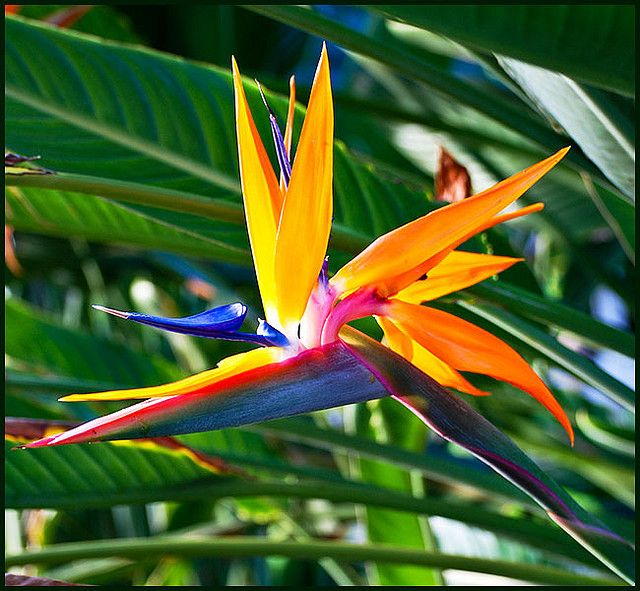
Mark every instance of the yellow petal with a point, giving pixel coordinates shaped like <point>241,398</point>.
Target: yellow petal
<point>426,361</point>
<point>456,271</point>
<point>305,222</point>
<point>227,368</point>
<point>397,259</point>
<point>262,198</point>
<point>466,347</point>
<point>288,130</point>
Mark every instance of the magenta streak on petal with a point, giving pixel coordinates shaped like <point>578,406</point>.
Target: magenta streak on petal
<point>315,379</point>
<point>361,303</point>
<point>570,524</point>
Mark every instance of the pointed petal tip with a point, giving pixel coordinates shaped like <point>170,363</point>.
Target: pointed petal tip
<point>555,158</point>
<point>45,442</point>
<point>111,311</point>
<point>235,70</point>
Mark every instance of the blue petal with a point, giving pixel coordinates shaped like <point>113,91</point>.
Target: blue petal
<point>281,150</point>
<point>219,323</point>
<point>215,323</point>
<point>272,335</point>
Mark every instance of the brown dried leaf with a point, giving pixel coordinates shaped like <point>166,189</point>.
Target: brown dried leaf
<point>452,179</point>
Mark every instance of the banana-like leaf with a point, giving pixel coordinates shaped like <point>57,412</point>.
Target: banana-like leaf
<point>133,171</point>
<point>590,43</point>
<point>454,420</point>
<point>589,116</point>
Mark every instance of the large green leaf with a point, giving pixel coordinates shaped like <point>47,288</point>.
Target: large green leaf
<point>71,214</point>
<point>619,214</point>
<point>39,343</point>
<point>590,43</point>
<point>589,117</point>
<point>94,475</point>
<point>170,127</point>
<point>103,21</point>
<point>408,62</point>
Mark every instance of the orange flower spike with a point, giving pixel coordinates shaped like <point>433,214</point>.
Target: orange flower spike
<point>262,198</point>
<point>469,348</point>
<point>308,206</point>
<point>457,271</point>
<point>397,259</point>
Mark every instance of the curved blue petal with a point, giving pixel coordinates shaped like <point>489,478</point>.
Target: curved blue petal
<point>222,322</point>
<point>215,323</point>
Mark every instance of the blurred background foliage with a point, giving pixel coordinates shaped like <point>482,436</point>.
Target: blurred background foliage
<point>150,219</point>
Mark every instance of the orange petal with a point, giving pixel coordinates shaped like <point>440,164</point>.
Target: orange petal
<point>456,271</point>
<point>411,276</point>
<point>512,215</point>
<point>424,360</point>
<point>396,259</point>
<point>469,348</point>
<point>227,368</point>
<point>305,222</point>
<point>262,198</point>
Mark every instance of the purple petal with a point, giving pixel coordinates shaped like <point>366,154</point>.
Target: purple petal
<point>453,419</point>
<point>281,149</point>
<point>215,323</point>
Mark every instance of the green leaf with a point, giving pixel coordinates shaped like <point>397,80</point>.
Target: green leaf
<point>386,422</point>
<point>555,314</point>
<point>65,213</point>
<point>90,475</point>
<point>249,546</point>
<point>588,116</point>
<point>619,214</point>
<point>409,63</point>
<point>549,347</point>
<point>145,154</point>
<point>590,43</point>
<point>103,21</point>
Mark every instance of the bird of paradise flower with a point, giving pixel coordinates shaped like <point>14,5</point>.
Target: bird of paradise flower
<point>310,359</point>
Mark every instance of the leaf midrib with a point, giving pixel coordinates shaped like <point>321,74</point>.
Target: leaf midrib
<point>124,138</point>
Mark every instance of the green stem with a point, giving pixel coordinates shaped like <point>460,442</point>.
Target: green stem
<point>342,238</point>
<point>536,534</point>
<point>137,193</point>
<point>253,546</point>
